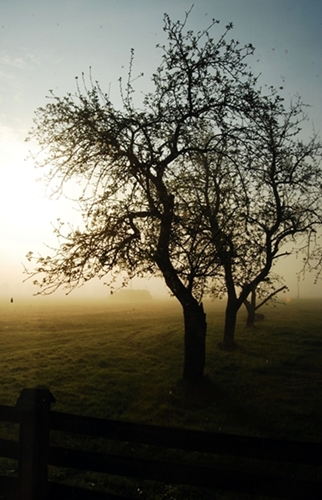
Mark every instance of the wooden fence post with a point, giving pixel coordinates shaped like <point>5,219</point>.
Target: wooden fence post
<point>34,407</point>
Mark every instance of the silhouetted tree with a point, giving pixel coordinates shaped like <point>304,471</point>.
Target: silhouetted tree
<point>260,197</point>
<point>128,161</point>
<point>266,292</point>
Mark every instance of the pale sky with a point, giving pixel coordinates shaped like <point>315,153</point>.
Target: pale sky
<point>45,44</point>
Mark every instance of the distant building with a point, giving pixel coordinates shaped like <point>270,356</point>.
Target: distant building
<point>131,296</point>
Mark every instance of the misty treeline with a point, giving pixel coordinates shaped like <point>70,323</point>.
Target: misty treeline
<point>207,182</point>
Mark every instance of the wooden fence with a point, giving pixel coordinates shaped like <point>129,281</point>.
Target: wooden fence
<point>34,452</point>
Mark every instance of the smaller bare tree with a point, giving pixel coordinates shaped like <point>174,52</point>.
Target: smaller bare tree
<point>261,198</point>
<point>266,292</point>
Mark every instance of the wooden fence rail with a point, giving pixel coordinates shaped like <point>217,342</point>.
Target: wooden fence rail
<point>34,453</point>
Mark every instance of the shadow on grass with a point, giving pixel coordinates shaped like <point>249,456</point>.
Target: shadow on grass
<point>221,407</point>
<point>203,395</point>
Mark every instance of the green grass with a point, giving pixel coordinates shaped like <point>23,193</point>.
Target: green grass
<point>126,362</point>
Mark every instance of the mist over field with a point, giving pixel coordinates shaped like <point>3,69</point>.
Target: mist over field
<point>151,291</point>
<point>101,357</point>
<point>141,300</point>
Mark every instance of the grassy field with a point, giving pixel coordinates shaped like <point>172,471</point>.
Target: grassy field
<point>125,361</point>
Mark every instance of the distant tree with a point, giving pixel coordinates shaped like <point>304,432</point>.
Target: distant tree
<point>266,292</point>
<point>128,161</point>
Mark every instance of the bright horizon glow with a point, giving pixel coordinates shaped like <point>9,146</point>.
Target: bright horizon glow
<point>45,45</point>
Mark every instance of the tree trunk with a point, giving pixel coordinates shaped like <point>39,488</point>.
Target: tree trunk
<point>194,342</point>
<point>251,307</point>
<point>194,317</point>
<point>230,323</point>
<point>250,318</point>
